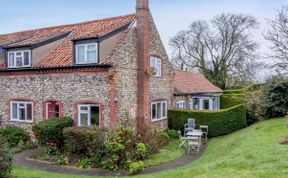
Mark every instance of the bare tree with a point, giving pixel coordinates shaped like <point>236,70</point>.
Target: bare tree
<point>219,50</point>
<point>278,36</point>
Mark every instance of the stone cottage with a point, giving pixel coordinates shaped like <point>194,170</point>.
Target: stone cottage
<point>95,72</point>
<point>193,91</point>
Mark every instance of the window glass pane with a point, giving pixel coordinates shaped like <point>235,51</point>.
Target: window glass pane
<point>80,54</point>
<point>152,62</point>
<point>14,111</point>
<point>83,119</point>
<point>19,54</point>
<point>11,59</point>
<point>22,114</point>
<point>196,104</point>
<point>91,47</point>
<point>95,115</point>
<point>26,58</point>
<point>91,56</point>
<point>154,111</point>
<point>158,110</point>
<point>158,67</point>
<point>29,111</point>
<point>51,108</point>
<point>206,104</point>
<point>19,61</point>
<point>163,109</point>
<point>57,108</point>
<point>84,108</point>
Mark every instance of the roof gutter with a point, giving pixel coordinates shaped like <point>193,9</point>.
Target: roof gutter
<point>207,93</point>
<point>57,68</point>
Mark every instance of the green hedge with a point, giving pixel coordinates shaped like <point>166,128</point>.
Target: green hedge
<point>230,100</point>
<point>220,122</point>
<point>51,131</point>
<point>245,89</point>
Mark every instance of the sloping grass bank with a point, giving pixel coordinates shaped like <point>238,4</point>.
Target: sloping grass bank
<point>251,152</point>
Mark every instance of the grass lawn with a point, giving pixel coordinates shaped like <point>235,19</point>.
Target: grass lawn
<point>169,153</point>
<point>251,152</point>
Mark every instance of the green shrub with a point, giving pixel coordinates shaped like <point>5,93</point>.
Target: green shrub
<point>62,160</point>
<point>136,167</point>
<point>230,100</point>
<point>141,151</point>
<point>276,98</point>
<point>220,122</point>
<point>84,163</point>
<point>84,140</point>
<point>51,131</point>
<point>5,161</point>
<point>14,135</point>
<point>173,134</point>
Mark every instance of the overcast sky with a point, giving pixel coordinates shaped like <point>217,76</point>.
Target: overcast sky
<point>169,15</point>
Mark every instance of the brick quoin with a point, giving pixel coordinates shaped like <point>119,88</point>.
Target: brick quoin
<point>143,52</point>
<point>113,101</point>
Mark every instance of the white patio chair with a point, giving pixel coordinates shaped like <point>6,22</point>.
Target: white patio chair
<point>190,126</point>
<point>204,129</point>
<point>194,143</point>
<point>183,141</point>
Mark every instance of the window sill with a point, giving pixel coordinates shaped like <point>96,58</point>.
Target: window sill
<point>19,121</point>
<point>157,120</point>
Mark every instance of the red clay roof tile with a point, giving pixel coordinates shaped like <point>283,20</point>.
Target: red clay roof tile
<point>63,54</point>
<point>193,83</point>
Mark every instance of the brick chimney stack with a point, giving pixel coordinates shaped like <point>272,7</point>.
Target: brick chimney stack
<point>143,30</point>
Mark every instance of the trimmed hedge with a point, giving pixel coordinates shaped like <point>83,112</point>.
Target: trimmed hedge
<point>51,131</point>
<point>221,122</point>
<point>230,100</point>
<point>245,89</point>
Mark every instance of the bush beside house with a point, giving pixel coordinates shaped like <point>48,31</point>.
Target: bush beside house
<point>51,131</point>
<point>14,135</point>
<point>5,158</point>
<point>220,122</point>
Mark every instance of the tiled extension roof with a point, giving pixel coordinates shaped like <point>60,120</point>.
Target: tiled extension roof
<point>193,83</point>
<point>62,55</point>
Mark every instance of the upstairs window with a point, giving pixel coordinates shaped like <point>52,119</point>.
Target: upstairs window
<point>18,59</point>
<point>87,53</point>
<point>156,63</point>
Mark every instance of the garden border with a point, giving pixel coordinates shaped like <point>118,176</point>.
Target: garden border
<point>22,159</point>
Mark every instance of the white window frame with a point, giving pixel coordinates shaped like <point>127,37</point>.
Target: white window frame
<point>153,63</point>
<point>85,45</point>
<point>18,107</point>
<point>89,114</point>
<point>166,110</point>
<point>181,103</point>
<point>14,59</point>
<point>213,104</point>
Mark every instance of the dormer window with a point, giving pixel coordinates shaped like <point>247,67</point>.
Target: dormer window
<point>86,53</point>
<point>18,59</point>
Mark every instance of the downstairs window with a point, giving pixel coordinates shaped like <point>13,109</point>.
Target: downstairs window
<point>21,111</point>
<point>158,110</point>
